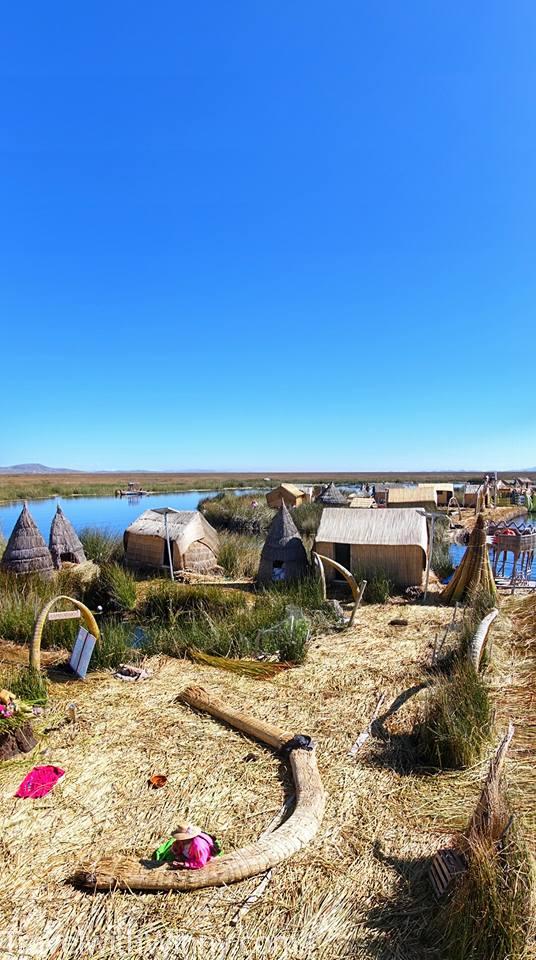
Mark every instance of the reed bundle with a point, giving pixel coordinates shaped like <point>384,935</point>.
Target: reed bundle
<point>256,669</point>
<point>474,572</point>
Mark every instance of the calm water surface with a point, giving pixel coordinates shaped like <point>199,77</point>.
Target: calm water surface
<point>110,513</point>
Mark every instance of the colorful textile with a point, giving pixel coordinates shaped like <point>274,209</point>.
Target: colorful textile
<point>198,852</point>
<point>164,851</point>
<point>39,781</point>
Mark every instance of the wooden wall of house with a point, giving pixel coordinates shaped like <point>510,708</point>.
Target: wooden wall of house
<point>403,565</point>
<point>275,498</point>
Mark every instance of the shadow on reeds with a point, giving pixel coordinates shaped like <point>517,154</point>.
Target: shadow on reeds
<point>397,751</point>
<point>404,920</point>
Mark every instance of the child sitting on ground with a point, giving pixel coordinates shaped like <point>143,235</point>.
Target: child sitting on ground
<point>189,848</point>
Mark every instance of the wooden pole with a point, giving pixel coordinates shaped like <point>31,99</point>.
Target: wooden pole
<point>170,555</point>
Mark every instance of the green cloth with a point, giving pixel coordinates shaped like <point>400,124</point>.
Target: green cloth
<point>164,851</point>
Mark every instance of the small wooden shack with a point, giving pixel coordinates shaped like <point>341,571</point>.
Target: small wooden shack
<point>285,493</point>
<point>423,495</point>
<point>64,544</point>
<point>283,555</point>
<point>444,492</point>
<point>369,542</point>
<point>193,541</point>
<point>26,550</point>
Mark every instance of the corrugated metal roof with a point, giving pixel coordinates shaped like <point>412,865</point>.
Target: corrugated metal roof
<point>403,527</point>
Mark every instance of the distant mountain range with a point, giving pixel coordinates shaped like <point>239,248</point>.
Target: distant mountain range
<point>36,468</point>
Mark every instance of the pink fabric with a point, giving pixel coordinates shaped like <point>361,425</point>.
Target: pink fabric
<point>200,852</point>
<point>39,781</point>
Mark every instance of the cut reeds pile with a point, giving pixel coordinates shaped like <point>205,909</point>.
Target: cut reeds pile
<point>474,572</point>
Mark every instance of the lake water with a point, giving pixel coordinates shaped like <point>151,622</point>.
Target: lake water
<point>457,550</point>
<point>109,513</point>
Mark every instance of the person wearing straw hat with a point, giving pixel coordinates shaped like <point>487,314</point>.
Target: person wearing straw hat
<point>192,848</point>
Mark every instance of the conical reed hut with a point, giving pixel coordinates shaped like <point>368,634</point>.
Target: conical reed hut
<point>63,543</point>
<point>283,555</point>
<point>474,571</point>
<point>332,497</point>
<point>26,551</point>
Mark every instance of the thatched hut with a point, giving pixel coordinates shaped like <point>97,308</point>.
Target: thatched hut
<point>444,492</point>
<point>192,540</point>
<point>283,555</point>
<point>422,496</point>
<point>476,495</point>
<point>371,542</point>
<point>362,503</point>
<point>64,545</point>
<point>26,551</point>
<point>331,496</point>
<point>286,493</point>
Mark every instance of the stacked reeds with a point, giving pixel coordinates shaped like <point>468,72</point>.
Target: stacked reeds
<point>474,572</point>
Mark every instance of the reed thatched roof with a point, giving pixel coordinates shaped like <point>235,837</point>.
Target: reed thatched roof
<point>362,503</point>
<point>283,545</point>
<point>424,493</point>
<point>403,527</point>
<point>26,551</point>
<point>184,527</point>
<point>332,496</point>
<point>63,541</point>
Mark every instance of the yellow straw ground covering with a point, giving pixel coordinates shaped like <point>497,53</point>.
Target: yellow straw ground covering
<point>360,890</point>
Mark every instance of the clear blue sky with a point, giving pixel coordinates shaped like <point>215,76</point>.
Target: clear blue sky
<point>268,235</point>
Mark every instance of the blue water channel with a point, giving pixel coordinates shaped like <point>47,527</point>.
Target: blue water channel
<point>113,514</point>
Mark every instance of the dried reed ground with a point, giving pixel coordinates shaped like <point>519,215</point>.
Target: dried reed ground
<point>359,891</point>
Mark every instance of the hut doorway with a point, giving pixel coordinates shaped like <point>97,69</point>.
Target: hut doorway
<point>278,570</point>
<point>342,556</point>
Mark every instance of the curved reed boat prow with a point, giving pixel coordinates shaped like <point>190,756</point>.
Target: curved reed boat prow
<point>129,873</point>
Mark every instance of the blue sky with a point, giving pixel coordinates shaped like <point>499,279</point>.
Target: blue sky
<point>268,236</point>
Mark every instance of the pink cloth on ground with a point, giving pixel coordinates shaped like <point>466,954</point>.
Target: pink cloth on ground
<point>39,781</point>
<point>200,852</point>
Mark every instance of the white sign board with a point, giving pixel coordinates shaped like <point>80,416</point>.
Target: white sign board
<point>81,655</point>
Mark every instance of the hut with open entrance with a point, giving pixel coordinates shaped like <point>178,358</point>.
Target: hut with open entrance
<point>193,542</point>
<point>411,497</point>
<point>444,492</point>
<point>283,555</point>
<point>331,496</point>
<point>26,551</point>
<point>285,493</point>
<point>64,545</point>
<point>476,495</point>
<point>369,542</point>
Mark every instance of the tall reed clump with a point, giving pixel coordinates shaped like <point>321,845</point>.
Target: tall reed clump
<point>114,589</point>
<point>307,518</point>
<point>456,724</point>
<point>239,514</point>
<point>489,913</point>
<point>102,546</point>
<point>114,645</point>
<point>22,599</point>
<point>25,683</point>
<point>441,562</point>
<point>379,588</point>
<point>239,554</point>
<point>164,600</point>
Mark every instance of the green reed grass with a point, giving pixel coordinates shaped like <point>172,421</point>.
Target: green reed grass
<point>239,554</point>
<point>457,721</point>
<point>102,546</point>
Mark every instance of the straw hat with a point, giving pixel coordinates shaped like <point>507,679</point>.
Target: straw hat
<point>186,831</point>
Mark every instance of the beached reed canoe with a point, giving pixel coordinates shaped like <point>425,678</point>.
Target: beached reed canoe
<point>129,873</point>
